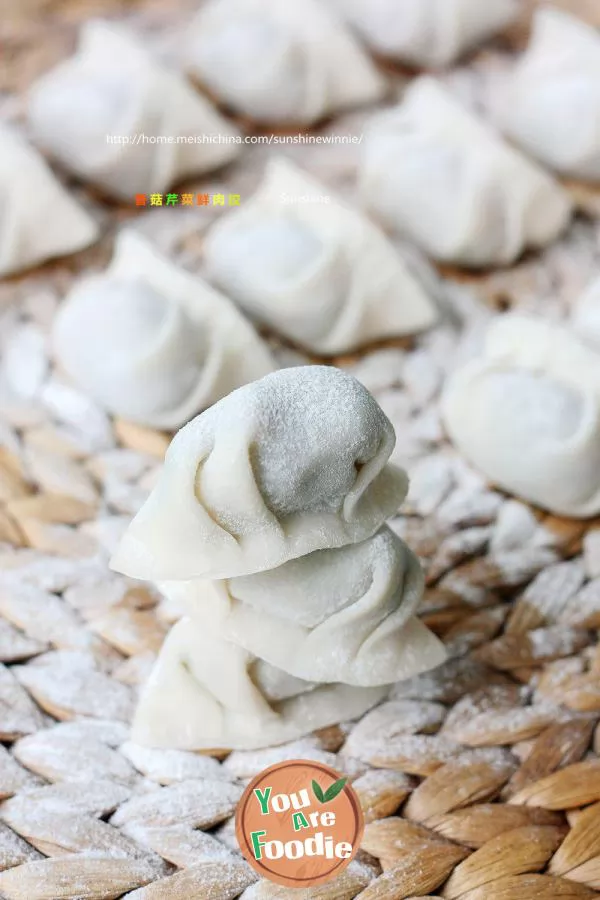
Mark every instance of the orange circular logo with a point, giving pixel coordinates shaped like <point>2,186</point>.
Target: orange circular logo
<point>299,823</point>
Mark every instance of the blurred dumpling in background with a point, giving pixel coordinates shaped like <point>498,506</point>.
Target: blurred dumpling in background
<point>32,198</point>
<point>279,60</point>
<point>585,317</point>
<point>527,414</point>
<point>435,173</point>
<point>153,343</point>
<point>314,269</point>
<point>551,104</point>
<point>426,32</point>
<point>113,87</point>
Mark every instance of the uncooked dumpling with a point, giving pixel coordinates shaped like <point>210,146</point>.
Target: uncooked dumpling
<point>527,413</point>
<point>292,463</point>
<point>279,60</point>
<point>280,492</point>
<point>551,103</point>
<point>586,315</point>
<point>32,198</point>
<point>320,274</point>
<point>153,343</point>
<point>201,696</point>
<point>426,32</point>
<point>332,615</point>
<point>113,87</point>
<point>435,173</point>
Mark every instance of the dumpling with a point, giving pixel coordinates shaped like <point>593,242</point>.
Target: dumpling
<point>551,101</point>
<point>31,198</point>
<point>292,463</point>
<point>220,706</point>
<point>153,343</point>
<point>435,173</point>
<point>527,413</point>
<point>586,315</point>
<point>115,116</point>
<point>333,615</point>
<point>321,274</point>
<point>279,61</point>
<point>358,599</point>
<point>279,491</point>
<point>426,32</point>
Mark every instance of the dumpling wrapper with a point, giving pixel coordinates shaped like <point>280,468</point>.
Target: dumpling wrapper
<point>319,273</point>
<point>113,87</point>
<point>279,61</point>
<point>333,615</point>
<point>200,695</point>
<point>436,174</point>
<point>527,414</point>
<point>152,342</point>
<point>275,684</point>
<point>292,463</point>
<point>585,318</point>
<point>550,103</point>
<point>31,198</point>
<point>426,33</point>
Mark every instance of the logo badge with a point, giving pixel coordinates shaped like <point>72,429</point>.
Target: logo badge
<point>299,823</point>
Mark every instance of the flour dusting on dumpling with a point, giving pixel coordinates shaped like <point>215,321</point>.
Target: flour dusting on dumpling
<point>333,615</point>
<point>292,463</point>
<point>219,705</point>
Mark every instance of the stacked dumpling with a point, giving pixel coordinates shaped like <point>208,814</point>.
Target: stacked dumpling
<point>267,524</point>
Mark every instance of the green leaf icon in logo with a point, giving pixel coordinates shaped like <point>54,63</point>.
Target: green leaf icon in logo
<point>332,791</point>
<point>317,791</point>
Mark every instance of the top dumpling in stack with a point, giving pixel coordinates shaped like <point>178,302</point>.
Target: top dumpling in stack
<point>295,462</point>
